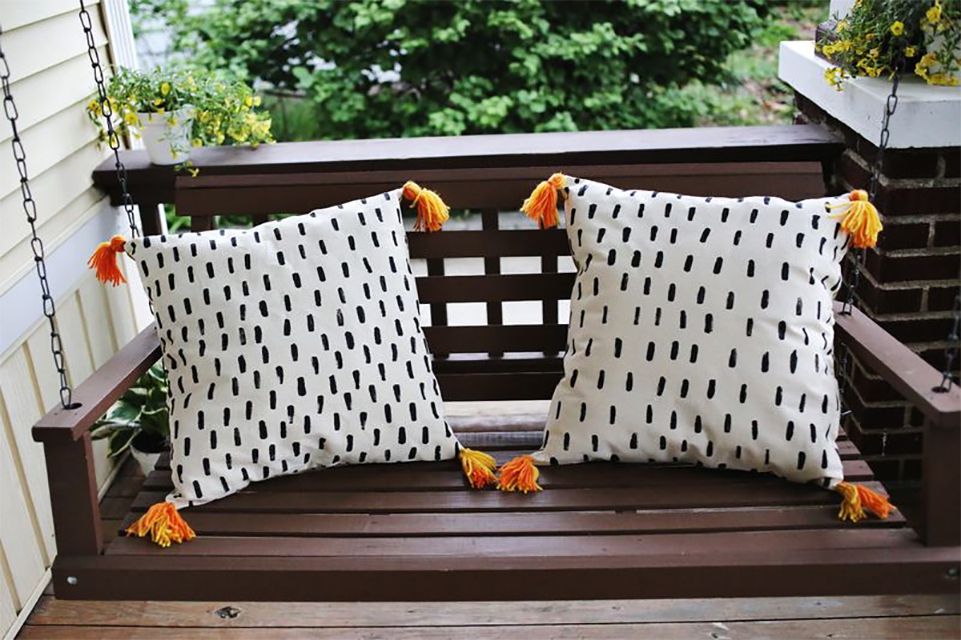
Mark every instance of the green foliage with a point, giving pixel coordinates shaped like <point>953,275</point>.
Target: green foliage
<point>375,68</point>
<point>221,110</point>
<point>140,413</point>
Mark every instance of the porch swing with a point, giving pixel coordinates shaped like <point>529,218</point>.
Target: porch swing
<point>413,531</point>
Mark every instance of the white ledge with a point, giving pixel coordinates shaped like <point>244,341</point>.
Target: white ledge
<point>927,116</point>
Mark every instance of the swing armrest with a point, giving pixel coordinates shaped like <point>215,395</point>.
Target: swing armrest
<point>900,367</point>
<point>95,395</point>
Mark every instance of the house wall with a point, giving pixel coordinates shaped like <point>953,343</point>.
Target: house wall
<point>51,81</point>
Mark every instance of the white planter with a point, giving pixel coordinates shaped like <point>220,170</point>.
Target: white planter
<point>166,144</point>
<point>147,461</point>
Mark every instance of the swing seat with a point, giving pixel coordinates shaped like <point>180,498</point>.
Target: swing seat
<point>415,531</point>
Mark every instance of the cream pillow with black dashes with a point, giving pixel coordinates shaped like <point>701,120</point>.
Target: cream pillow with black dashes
<point>701,331</point>
<point>292,346</point>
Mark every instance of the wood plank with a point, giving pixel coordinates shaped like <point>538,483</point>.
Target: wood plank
<point>22,404</point>
<point>476,155</point>
<point>271,615</point>
<point>520,524</point>
<point>913,628</point>
<point>746,494</point>
<point>484,338</point>
<point>498,386</point>
<point>21,547</point>
<point>258,193</point>
<point>495,288</point>
<point>97,321</point>
<point>545,546</point>
<point>448,477</point>
<point>488,243</point>
<point>702,573</point>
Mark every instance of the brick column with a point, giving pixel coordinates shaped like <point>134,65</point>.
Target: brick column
<point>908,283</point>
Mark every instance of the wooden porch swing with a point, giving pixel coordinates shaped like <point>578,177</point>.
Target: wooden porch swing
<point>415,531</point>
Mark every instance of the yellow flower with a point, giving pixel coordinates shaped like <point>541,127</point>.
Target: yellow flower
<point>943,79</point>
<point>897,28</point>
<point>874,53</point>
<point>910,51</point>
<point>928,60</point>
<point>934,13</point>
<point>131,118</point>
<point>197,142</point>
<point>164,88</point>
<point>257,101</point>
<point>841,26</point>
<point>157,102</point>
<point>834,77</point>
<point>94,107</point>
<point>249,101</point>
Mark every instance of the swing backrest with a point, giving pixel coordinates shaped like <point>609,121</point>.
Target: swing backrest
<point>487,359</point>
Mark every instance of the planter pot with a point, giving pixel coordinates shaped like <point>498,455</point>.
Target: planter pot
<point>166,144</point>
<point>146,452</point>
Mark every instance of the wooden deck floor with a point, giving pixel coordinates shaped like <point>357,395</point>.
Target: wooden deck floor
<point>867,618</point>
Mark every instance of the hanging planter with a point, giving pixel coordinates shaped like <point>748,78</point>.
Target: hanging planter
<point>176,110</point>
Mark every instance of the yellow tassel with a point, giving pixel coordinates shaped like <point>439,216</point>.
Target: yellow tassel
<point>519,474</point>
<point>164,524</point>
<point>859,218</point>
<point>478,468</point>
<point>104,261</point>
<point>541,205</point>
<point>857,499</point>
<point>432,213</point>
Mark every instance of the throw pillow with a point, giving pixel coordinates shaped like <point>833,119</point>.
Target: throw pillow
<point>293,345</point>
<point>701,331</point>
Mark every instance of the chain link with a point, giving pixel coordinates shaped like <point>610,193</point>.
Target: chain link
<point>113,140</point>
<point>858,256</point>
<point>36,244</point>
<point>951,352</point>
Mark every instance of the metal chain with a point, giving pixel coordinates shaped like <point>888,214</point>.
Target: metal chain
<point>113,140</point>
<point>951,352</point>
<point>36,244</point>
<point>857,261</point>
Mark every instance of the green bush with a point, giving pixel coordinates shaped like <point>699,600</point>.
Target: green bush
<point>376,68</point>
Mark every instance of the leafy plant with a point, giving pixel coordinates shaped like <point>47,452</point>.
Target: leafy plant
<point>877,35</point>
<point>221,111</point>
<point>139,417</point>
<point>374,68</point>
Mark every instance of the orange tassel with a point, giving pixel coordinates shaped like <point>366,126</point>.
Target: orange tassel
<point>860,219</point>
<point>478,468</point>
<point>164,524</point>
<point>432,213</point>
<point>857,499</point>
<point>519,474</point>
<point>541,205</point>
<point>104,261</point>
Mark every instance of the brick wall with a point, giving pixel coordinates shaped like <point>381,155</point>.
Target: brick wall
<point>908,282</point>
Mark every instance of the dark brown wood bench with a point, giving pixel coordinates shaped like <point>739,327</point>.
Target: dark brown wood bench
<point>414,531</point>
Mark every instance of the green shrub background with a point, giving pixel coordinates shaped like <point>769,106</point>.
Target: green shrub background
<point>333,69</point>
